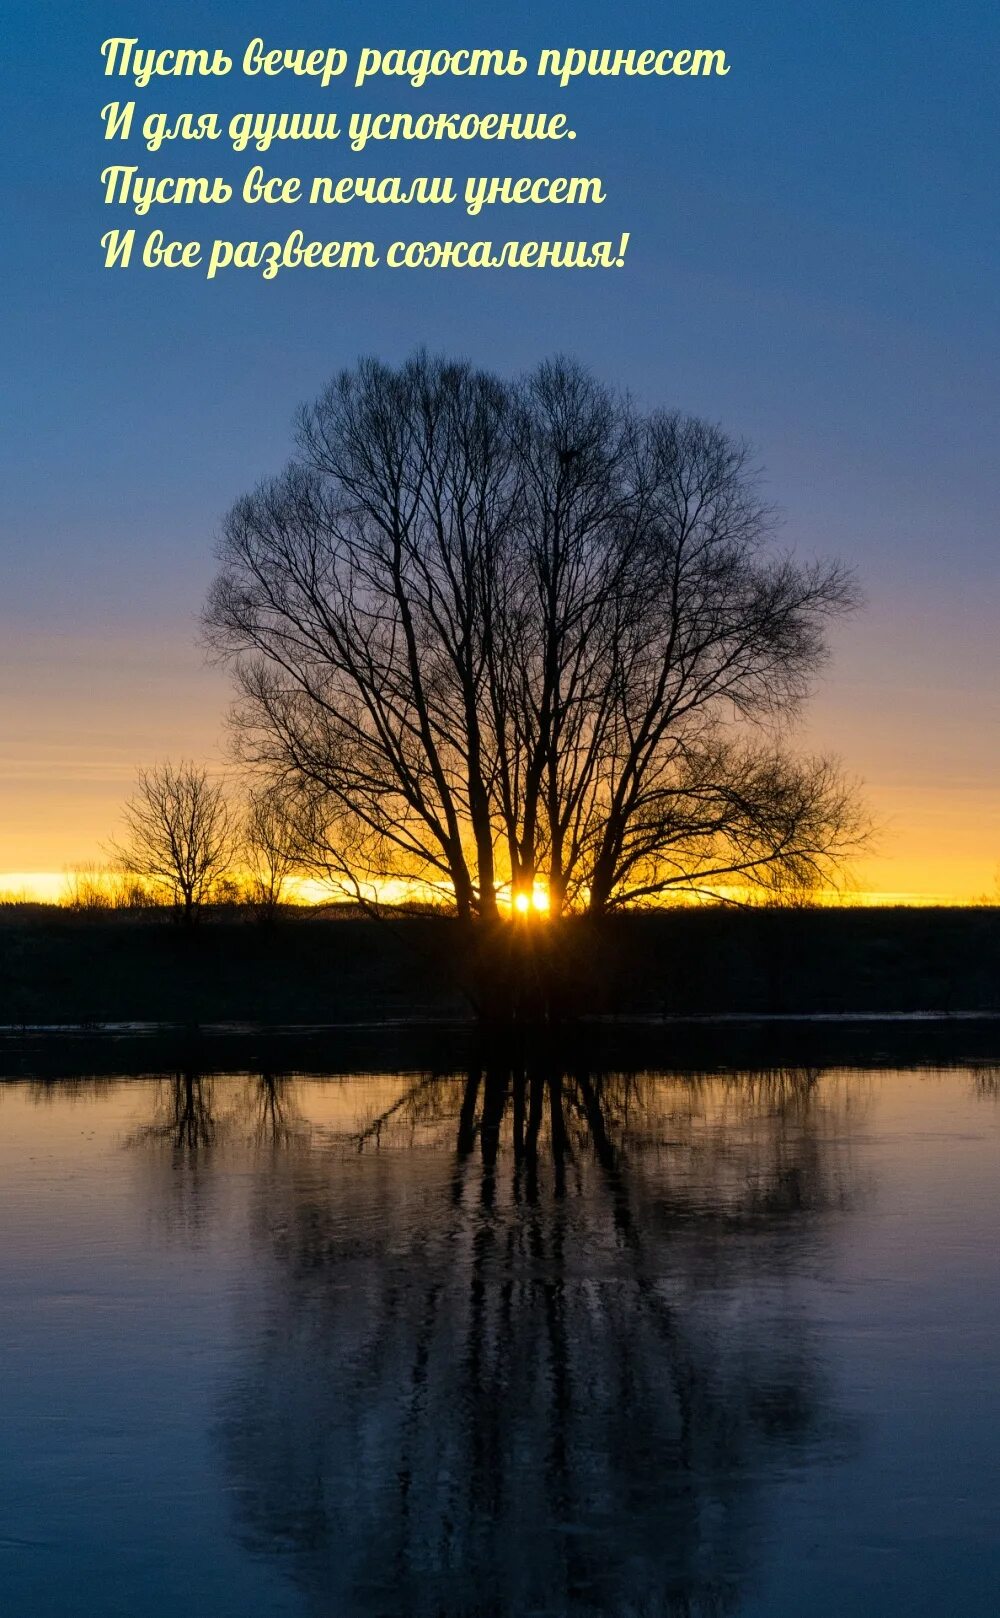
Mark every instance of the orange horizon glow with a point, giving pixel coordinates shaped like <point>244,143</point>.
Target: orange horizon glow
<point>54,887</point>
<point>97,707</point>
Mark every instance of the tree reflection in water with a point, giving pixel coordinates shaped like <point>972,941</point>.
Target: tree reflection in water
<point>195,1115</point>
<point>184,1116</point>
<point>549,1367</point>
<point>189,1118</point>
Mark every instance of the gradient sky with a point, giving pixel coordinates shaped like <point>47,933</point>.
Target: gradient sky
<point>813,263</point>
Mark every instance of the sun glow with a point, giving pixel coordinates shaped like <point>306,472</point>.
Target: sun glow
<point>534,903</point>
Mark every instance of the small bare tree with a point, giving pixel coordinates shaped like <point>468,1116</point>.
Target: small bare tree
<point>270,847</point>
<point>178,834</point>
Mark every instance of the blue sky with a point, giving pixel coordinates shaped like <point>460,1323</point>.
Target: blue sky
<point>813,262</point>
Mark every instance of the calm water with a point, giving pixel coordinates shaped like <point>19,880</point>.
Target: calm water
<point>392,1345</point>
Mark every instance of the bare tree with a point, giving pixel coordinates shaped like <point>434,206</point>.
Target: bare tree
<point>502,636</point>
<point>270,846</point>
<point>177,833</point>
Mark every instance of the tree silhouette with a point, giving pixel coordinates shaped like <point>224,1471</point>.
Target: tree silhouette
<point>270,848</point>
<point>178,834</point>
<point>522,639</point>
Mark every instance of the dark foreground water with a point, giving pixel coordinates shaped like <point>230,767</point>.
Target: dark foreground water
<point>501,1344</point>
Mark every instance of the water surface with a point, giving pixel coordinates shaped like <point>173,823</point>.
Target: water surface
<point>500,1343</point>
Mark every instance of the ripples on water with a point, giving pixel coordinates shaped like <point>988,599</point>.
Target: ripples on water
<point>501,1343</point>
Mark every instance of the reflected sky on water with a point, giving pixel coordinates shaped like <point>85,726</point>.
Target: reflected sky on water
<point>526,1340</point>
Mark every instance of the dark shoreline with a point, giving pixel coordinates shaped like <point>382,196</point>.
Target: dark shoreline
<point>704,981</point>
<point>682,1046</point>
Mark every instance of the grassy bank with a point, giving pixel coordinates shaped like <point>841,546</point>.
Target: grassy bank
<point>58,967</point>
